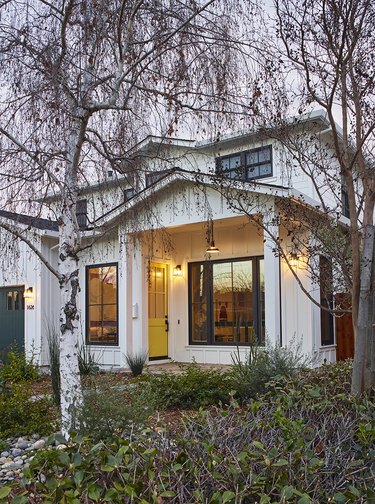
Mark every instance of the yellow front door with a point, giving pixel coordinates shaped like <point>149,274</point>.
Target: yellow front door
<point>157,312</point>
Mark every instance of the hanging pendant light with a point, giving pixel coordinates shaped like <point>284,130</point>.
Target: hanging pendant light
<point>211,247</point>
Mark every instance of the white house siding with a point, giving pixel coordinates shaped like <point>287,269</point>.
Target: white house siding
<point>20,267</point>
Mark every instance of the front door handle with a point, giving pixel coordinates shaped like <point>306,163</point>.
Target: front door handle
<point>166,324</point>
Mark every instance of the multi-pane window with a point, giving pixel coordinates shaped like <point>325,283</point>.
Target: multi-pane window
<point>227,302</point>
<point>15,300</point>
<point>102,323</point>
<point>247,165</point>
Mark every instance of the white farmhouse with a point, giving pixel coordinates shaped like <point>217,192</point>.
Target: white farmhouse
<point>181,258</point>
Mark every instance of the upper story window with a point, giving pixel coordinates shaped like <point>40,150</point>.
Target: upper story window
<point>128,194</point>
<point>345,202</point>
<point>153,177</point>
<point>81,213</point>
<point>247,165</point>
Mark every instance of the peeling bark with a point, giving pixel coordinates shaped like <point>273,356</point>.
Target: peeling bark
<point>71,390</point>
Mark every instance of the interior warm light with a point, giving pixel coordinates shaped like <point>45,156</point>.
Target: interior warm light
<point>294,259</point>
<point>177,270</point>
<point>28,293</point>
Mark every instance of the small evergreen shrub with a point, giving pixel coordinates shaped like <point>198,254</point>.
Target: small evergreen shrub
<point>23,415</point>
<point>251,376</point>
<point>87,362</point>
<point>109,411</point>
<point>18,368</point>
<point>136,362</point>
<point>193,387</point>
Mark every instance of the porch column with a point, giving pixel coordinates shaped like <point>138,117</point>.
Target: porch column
<point>139,304</point>
<point>125,293</point>
<point>272,279</point>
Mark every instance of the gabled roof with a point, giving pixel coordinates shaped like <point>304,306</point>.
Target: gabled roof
<point>178,175</point>
<point>29,220</point>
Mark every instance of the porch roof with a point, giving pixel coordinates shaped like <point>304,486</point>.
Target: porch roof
<point>181,176</point>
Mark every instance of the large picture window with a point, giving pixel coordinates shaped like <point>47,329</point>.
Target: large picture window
<point>101,314</point>
<point>227,302</point>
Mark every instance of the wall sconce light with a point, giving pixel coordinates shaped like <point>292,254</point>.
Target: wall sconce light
<point>28,293</point>
<point>177,270</point>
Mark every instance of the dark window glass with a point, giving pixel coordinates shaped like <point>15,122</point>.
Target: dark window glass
<point>345,202</point>
<point>102,321</point>
<point>128,194</point>
<point>152,178</point>
<point>81,213</point>
<point>247,165</point>
<point>326,300</point>
<point>227,302</point>
<point>259,162</point>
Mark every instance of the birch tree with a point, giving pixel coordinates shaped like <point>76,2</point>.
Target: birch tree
<point>83,81</point>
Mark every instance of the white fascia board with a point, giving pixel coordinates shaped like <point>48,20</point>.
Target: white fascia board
<point>314,116</point>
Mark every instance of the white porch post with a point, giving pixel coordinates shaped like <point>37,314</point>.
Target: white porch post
<point>272,279</point>
<point>138,313</point>
<point>125,293</point>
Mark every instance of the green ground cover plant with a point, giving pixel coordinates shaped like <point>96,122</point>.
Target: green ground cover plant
<point>192,387</point>
<point>19,368</point>
<point>306,440</point>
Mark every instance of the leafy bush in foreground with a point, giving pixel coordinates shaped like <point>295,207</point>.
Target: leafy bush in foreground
<point>108,411</point>
<point>251,376</point>
<point>21,415</point>
<point>18,368</point>
<point>193,387</point>
<point>299,444</point>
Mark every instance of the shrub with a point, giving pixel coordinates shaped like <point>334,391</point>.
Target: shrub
<point>300,445</point>
<point>193,387</point>
<point>54,361</point>
<point>251,376</point>
<point>108,411</point>
<point>136,362</point>
<point>23,415</point>
<point>87,362</point>
<point>19,368</point>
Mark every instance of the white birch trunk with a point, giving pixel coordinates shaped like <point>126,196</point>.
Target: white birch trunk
<point>71,390</point>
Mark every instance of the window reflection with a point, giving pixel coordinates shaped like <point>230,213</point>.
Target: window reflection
<point>227,302</point>
<point>233,302</point>
<point>102,305</point>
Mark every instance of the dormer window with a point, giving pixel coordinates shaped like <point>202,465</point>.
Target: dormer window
<point>247,165</point>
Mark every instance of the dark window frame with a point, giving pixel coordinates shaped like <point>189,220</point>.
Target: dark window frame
<point>104,343</point>
<point>327,330</point>
<point>242,170</point>
<point>81,214</point>
<point>345,202</point>
<point>210,308</point>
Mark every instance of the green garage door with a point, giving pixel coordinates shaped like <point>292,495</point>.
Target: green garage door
<point>12,318</point>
